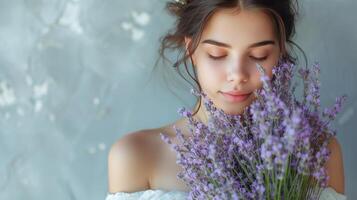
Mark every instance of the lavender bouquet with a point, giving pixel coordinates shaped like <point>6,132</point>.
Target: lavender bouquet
<point>276,149</point>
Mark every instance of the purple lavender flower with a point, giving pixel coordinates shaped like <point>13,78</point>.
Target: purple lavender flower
<point>276,149</point>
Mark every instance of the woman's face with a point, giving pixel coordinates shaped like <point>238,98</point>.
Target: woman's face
<point>226,57</point>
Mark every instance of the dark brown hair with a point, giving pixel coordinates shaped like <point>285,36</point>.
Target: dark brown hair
<point>192,17</point>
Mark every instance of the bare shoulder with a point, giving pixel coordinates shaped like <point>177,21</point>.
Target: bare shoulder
<point>129,163</point>
<point>334,166</point>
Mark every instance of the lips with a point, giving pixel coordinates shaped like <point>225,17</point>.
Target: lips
<point>237,93</point>
<point>232,97</point>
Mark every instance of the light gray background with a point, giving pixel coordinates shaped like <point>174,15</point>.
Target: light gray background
<point>74,78</point>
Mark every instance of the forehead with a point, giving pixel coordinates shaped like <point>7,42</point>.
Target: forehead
<point>239,29</point>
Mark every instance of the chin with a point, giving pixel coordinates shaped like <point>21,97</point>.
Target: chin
<point>232,109</point>
<point>234,112</point>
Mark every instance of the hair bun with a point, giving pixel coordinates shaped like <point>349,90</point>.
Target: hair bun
<point>175,7</point>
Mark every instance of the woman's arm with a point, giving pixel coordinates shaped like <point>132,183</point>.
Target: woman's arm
<point>126,170</point>
<point>334,166</point>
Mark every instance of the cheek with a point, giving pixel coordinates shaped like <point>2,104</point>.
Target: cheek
<point>209,76</point>
<point>256,76</point>
<point>269,71</point>
<point>215,69</point>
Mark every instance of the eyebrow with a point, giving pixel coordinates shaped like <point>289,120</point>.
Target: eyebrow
<point>258,44</point>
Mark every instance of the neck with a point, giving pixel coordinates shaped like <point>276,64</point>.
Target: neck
<point>202,114</point>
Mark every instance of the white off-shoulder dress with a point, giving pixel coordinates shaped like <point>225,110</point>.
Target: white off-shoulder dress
<point>327,194</point>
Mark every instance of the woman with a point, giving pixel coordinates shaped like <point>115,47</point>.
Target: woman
<point>223,39</point>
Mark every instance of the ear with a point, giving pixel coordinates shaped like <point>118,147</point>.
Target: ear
<point>188,41</point>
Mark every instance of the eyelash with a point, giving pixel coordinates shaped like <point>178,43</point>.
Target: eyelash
<point>218,58</point>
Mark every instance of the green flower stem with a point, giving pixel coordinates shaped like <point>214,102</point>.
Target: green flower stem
<point>244,169</point>
<point>267,183</point>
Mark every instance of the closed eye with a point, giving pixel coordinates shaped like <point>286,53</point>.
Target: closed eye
<point>215,58</point>
<point>259,59</point>
<point>220,57</point>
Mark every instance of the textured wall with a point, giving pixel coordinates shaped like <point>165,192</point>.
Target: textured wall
<point>74,77</point>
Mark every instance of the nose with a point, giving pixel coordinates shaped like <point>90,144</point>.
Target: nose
<point>237,73</point>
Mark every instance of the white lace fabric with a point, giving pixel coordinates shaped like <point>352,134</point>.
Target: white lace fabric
<point>327,194</point>
<point>330,194</point>
<point>148,195</point>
